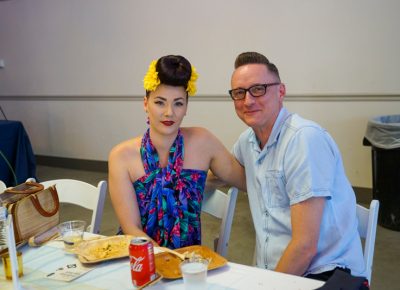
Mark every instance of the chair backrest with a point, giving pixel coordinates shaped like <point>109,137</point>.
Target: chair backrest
<point>367,222</point>
<point>83,194</point>
<point>222,206</point>
<point>2,186</point>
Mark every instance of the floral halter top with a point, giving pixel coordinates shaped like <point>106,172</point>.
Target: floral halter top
<point>170,198</point>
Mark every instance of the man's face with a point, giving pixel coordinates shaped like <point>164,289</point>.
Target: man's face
<point>261,112</point>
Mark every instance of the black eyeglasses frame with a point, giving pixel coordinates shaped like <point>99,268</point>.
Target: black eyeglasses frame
<point>249,88</point>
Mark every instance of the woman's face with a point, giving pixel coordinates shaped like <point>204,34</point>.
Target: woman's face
<point>166,107</point>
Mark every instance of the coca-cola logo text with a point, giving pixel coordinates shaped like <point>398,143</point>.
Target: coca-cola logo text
<point>136,264</point>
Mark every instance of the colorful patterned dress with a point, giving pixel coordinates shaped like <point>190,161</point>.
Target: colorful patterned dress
<point>170,198</point>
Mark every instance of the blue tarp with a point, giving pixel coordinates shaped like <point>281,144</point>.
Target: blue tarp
<point>17,161</point>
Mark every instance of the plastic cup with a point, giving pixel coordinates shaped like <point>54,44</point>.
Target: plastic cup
<point>72,233</point>
<point>194,272</point>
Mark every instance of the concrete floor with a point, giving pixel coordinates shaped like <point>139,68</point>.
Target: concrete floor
<point>387,247</point>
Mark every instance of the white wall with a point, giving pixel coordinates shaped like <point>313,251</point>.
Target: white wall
<point>73,69</point>
<point>100,47</point>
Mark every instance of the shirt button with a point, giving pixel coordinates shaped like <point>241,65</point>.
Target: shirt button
<point>266,239</point>
<point>266,213</point>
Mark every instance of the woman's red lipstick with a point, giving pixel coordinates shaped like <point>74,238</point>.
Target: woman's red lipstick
<point>168,123</point>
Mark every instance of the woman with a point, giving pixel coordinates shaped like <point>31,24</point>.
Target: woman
<point>156,181</point>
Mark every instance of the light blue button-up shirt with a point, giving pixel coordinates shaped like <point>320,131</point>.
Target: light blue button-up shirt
<point>299,161</point>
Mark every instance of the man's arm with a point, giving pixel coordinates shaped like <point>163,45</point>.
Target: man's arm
<point>306,220</point>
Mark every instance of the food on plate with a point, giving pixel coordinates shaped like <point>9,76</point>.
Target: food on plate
<point>101,249</point>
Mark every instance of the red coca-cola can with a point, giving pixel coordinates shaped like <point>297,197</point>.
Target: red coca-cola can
<point>141,255</point>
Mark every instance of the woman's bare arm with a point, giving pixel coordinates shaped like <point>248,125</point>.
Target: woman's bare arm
<point>224,166</point>
<point>122,193</point>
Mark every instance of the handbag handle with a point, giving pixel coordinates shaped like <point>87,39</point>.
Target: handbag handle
<point>26,188</point>
<point>35,200</point>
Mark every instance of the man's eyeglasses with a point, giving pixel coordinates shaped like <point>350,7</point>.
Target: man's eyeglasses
<point>256,91</point>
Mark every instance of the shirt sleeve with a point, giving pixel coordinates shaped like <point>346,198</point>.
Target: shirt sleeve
<point>309,164</point>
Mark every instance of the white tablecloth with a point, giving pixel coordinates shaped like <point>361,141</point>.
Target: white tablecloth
<point>116,274</point>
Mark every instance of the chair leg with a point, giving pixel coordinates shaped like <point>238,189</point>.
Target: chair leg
<point>255,257</point>
<point>216,243</point>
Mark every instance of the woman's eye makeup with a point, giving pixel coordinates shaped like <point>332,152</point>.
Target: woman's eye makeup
<point>159,101</point>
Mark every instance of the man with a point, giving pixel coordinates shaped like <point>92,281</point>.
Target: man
<point>302,204</point>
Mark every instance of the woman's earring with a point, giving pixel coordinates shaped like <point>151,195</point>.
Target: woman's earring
<point>148,121</point>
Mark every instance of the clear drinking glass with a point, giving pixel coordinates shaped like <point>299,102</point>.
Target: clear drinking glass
<point>194,272</point>
<point>72,233</point>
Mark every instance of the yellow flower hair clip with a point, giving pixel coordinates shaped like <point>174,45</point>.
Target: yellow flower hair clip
<point>151,80</point>
<point>191,86</point>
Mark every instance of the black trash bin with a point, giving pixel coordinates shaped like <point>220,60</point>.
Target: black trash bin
<point>383,135</point>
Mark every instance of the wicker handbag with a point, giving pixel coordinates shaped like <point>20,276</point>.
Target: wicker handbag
<point>34,209</point>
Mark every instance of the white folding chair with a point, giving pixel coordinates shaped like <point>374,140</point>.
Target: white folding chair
<point>2,186</point>
<point>367,222</point>
<point>83,194</point>
<point>222,206</point>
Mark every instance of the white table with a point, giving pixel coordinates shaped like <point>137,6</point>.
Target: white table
<point>116,274</point>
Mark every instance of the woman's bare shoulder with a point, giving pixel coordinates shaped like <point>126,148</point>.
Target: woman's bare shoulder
<point>196,133</point>
<point>125,159</point>
<point>126,149</point>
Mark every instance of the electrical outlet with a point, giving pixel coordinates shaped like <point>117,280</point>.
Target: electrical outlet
<point>2,63</point>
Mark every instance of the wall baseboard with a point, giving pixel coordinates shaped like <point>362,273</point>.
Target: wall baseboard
<point>72,163</point>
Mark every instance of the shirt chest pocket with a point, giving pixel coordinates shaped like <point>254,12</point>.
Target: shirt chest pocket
<point>276,195</point>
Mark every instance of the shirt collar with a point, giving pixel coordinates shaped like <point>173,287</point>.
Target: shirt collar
<point>276,130</point>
